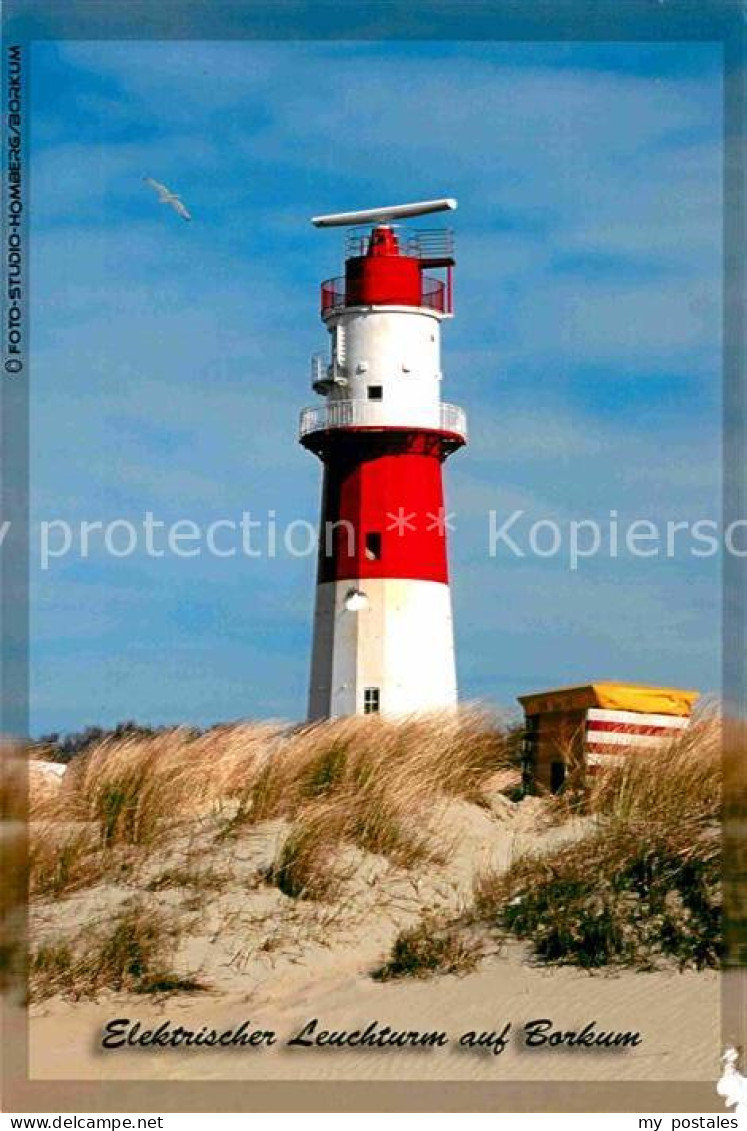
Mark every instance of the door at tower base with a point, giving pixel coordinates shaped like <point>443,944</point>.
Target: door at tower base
<point>382,645</point>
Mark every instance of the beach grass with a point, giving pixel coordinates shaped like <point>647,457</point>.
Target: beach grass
<point>175,827</point>
<point>643,885</point>
<point>131,952</point>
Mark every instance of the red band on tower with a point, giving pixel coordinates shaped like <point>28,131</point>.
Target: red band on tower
<point>382,512</point>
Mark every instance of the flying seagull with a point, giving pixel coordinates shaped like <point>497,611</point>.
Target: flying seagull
<point>166,196</point>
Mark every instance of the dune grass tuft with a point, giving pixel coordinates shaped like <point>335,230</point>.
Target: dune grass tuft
<point>199,878</point>
<point>373,785</point>
<point>64,858</point>
<point>428,948</point>
<point>622,896</point>
<point>137,789</point>
<point>306,865</point>
<point>133,953</point>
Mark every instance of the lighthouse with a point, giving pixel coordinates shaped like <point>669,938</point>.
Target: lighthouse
<point>383,634</point>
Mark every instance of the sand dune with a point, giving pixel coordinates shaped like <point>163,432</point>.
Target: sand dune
<point>280,962</point>
<point>403,832</point>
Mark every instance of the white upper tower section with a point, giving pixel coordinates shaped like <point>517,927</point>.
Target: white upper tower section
<point>384,318</point>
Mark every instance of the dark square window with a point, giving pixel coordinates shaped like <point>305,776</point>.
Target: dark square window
<point>373,546</point>
<point>371,700</point>
<point>375,392</point>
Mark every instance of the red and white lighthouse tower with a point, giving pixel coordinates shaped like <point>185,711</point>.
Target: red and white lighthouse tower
<point>383,637</point>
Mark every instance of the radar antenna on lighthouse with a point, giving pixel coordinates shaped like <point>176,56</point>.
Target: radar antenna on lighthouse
<point>382,215</point>
<point>383,636</point>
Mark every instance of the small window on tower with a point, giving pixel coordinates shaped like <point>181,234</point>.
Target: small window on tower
<point>371,700</point>
<point>373,546</point>
<point>375,392</point>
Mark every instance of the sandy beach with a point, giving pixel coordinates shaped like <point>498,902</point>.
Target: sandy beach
<point>676,1014</point>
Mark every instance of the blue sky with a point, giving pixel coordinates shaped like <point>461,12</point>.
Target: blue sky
<point>170,360</point>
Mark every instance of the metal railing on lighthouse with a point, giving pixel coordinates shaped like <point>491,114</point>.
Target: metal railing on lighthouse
<point>444,417</point>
